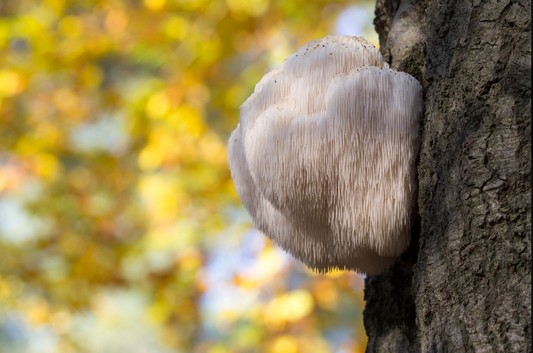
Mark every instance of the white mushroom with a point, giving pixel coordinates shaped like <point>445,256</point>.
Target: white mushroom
<point>324,156</point>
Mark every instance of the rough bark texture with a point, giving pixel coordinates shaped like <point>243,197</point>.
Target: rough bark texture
<point>469,289</point>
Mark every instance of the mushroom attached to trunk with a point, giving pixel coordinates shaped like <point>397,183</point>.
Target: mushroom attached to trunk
<point>324,155</point>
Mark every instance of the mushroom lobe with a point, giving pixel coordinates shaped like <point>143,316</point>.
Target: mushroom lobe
<point>324,155</point>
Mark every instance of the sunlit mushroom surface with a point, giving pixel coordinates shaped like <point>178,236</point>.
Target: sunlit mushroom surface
<point>324,155</point>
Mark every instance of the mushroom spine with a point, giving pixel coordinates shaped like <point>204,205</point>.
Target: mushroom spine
<point>324,156</point>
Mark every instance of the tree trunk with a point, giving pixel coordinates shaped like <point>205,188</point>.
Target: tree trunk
<point>465,283</point>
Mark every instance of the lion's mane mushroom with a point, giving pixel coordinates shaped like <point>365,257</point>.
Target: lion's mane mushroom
<point>324,156</point>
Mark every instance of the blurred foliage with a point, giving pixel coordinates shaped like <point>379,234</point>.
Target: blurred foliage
<point>120,230</point>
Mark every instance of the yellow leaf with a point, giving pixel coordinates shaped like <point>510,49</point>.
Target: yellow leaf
<point>10,83</point>
<point>284,344</point>
<point>290,307</point>
<point>315,345</point>
<point>254,8</point>
<point>158,105</point>
<point>298,304</point>
<point>149,158</point>
<point>176,27</point>
<point>159,311</point>
<point>92,75</point>
<point>190,261</point>
<point>5,289</point>
<point>212,149</point>
<point>56,5</point>
<point>71,26</point>
<point>218,348</point>
<point>162,197</point>
<point>154,5</point>
<point>187,119</point>
<point>66,101</point>
<point>46,165</point>
<point>38,312</point>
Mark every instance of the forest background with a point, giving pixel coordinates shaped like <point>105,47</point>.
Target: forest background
<point>120,229</point>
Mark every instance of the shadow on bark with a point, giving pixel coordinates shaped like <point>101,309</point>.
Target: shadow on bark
<point>389,316</point>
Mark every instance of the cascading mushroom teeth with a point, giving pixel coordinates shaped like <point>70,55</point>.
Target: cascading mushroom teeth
<point>324,156</point>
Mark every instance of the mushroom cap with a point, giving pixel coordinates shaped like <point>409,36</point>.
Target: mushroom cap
<point>324,156</point>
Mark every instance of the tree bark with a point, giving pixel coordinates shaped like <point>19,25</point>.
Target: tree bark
<point>465,283</point>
